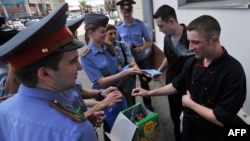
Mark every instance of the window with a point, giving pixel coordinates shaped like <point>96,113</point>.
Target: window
<point>213,4</point>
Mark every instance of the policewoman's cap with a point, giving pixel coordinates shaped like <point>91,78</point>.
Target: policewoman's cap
<point>126,5</point>
<point>7,34</point>
<point>41,39</point>
<point>96,19</point>
<point>73,24</point>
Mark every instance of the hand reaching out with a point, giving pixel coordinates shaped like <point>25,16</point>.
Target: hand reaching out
<point>109,90</point>
<point>96,118</point>
<point>139,92</point>
<point>112,98</point>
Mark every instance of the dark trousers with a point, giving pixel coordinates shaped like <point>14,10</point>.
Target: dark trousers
<point>175,107</point>
<point>129,98</point>
<point>106,128</point>
<point>144,84</point>
<point>196,132</point>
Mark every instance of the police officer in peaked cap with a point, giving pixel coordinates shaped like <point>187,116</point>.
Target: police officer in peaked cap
<point>134,32</point>
<point>46,61</point>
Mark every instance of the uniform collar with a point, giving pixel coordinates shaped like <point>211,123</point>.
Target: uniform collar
<point>218,60</point>
<point>221,58</point>
<point>94,50</point>
<point>133,22</point>
<point>43,94</point>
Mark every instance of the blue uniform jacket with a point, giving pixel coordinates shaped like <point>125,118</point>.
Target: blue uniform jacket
<point>28,116</point>
<point>97,64</point>
<point>135,34</point>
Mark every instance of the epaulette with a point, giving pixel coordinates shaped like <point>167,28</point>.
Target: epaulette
<point>79,117</point>
<point>85,52</point>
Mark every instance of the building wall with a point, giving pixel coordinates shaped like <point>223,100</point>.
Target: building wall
<point>21,11</point>
<point>110,5</point>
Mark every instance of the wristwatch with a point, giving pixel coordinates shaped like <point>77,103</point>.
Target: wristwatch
<point>100,93</point>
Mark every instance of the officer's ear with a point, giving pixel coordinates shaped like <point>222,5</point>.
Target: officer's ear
<point>43,73</point>
<point>171,21</point>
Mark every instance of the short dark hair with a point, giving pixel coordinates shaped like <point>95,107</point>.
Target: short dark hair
<point>165,12</point>
<point>205,25</point>
<point>28,74</point>
<point>109,45</point>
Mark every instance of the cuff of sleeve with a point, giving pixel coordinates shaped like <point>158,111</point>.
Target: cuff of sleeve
<point>99,96</point>
<point>222,116</point>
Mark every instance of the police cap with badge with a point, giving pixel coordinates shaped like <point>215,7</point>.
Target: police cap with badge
<point>126,5</point>
<point>41,39</point>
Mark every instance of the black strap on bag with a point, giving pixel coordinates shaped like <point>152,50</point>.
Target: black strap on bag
<point>127,83</point>
<point>123,52</point>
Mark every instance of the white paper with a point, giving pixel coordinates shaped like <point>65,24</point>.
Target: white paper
<point>122,130</point>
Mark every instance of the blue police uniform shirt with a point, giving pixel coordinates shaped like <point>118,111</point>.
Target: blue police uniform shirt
<point>74,96</point>
<point>28,116</point>
<point>135,34</point>
<point>97,64</point>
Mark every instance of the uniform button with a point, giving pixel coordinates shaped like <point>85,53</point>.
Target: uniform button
<point>209,101</point>
<point>192,82</point>
<point>211,73</point>
<point>205,89</point>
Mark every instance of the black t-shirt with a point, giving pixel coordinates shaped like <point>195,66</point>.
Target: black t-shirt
<point>176,56</point>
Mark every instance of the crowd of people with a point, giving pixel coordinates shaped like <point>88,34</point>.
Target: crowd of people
<point>42,98</point>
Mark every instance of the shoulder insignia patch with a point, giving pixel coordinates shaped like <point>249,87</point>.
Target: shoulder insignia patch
<point>67,111</point>
<point>85,52</point>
